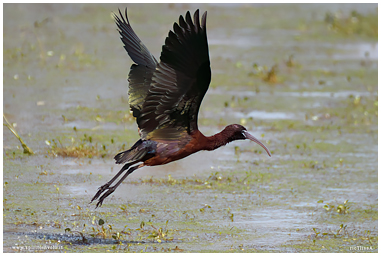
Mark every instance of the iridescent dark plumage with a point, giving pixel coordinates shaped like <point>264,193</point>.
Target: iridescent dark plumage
<point>165,98</point>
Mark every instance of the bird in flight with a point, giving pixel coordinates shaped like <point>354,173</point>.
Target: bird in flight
<point>165,97</point>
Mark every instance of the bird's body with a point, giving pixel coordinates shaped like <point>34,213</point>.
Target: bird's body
<point>165,98</point>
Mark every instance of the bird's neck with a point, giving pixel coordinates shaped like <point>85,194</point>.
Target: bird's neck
<point>218,140</point>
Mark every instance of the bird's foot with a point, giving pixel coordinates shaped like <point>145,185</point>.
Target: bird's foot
<point>101,189</point>
<point>103,197</point>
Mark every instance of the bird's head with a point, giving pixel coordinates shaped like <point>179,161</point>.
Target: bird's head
<point>238,132</point>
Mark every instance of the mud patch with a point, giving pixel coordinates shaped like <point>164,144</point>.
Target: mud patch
<point>65,79</point>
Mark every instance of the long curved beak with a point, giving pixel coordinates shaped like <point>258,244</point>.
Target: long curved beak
<point>252,138</point>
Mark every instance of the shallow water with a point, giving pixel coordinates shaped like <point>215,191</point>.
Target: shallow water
<point>65,67</point>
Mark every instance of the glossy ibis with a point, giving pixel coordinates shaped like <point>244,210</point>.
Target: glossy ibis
<point>165,97</point>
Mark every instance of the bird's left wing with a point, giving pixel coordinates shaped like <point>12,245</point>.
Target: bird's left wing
<point>142,71</point>
<point>179,82</point>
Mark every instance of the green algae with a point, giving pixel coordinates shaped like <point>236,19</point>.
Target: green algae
<point>324,144</point>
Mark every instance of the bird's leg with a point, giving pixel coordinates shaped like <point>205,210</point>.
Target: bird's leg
<point>102,188</point>
<point>110,190</point>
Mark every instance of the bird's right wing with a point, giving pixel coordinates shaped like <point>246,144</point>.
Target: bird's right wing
<point>140,75</point>
<point>179,83</point>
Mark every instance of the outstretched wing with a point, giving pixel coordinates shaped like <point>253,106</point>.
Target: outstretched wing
<point>140,75</point>
<point>179,82</point>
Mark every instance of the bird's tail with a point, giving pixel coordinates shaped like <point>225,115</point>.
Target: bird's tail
<point>135,154</point>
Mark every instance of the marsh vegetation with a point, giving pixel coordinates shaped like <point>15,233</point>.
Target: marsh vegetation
<point>302,78</point>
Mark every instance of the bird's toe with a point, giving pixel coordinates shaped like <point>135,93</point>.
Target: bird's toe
<point>101,189</point>
<point>106,194</point>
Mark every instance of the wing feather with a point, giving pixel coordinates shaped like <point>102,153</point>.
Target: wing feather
<point>179,82</point>
<point>141,73</point>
